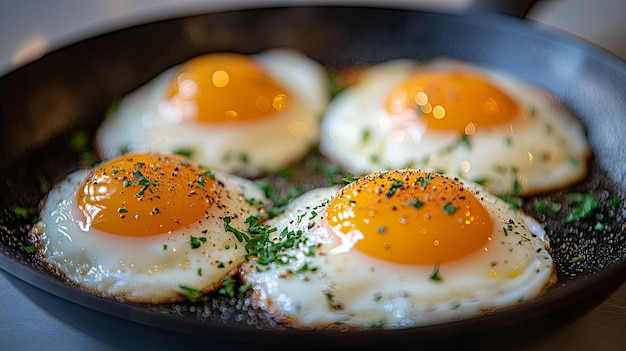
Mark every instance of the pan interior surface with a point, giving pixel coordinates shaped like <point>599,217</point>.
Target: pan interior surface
<point>47,103</point>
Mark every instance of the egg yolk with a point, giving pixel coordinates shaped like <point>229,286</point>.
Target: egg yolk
<point>224,87</point>
<point>410,217</point>
<point>456,99</point>
<point>146,194</point>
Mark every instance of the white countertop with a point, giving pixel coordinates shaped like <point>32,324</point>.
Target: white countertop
<point>30,28</point>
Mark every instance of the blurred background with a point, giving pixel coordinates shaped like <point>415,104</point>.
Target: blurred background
<point>31,28</point>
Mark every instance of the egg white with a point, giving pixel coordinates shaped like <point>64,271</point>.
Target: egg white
<point>152,269</point>
<point>352,289</point>
<point>546,148</point>
<point>141,123</point>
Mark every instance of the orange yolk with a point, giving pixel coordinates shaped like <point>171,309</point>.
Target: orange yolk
<point>216,88</point>
<point>410,217</point>
<point>457,100</point>
<point>146,194</point>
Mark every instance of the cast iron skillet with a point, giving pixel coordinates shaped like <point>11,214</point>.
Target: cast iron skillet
<point>45,103</point>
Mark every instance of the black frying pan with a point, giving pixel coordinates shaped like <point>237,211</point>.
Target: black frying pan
<point>45,103</point>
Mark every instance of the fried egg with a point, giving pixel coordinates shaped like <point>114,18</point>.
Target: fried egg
<point>145,227</point>
<point>227,111</point>
<point>458,119</point>
<point>398,249</point>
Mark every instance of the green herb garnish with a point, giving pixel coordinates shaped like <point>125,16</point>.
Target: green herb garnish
<point>365,135</point>
<point>228,287</point>
<point>241,236</point>
<point>415,203</point>
<point>395,185</point>
<point>423,181</point>
<point>332,303</point>
<point>29,248</point>
<point>349,178</point>
<point>586,206</point>
<point>196,242</point>
<point>449,208</point>
<point>21,212</point>
<point>576,258</point>
<point>544,207</point>
<point>192,295</point>
<point>184,152</point>
<point>435,274</point>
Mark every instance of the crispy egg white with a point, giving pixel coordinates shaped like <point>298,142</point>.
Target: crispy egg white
<point>230,112</point>
<point>455,118</point>
<point>398,249</point>
<point>145,228</point>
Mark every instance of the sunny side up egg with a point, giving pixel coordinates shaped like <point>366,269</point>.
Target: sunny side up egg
<point>145,227</point>
<point>398,249</point>
<point>458,119</point>
<point>231,112</point>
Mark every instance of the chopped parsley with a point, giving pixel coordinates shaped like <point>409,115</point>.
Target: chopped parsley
<point>28,249</point>
<point>382,229</point>
<point>365,135</point>
<point>192,295</point>
<point>335,86</point>
<point>200,181</point>
<point>577,258</point>
<point>513,198</point>
<point>349,178</point>
<point>600,226</point>
<point>209,174</point>
<point>279,199</point>
<point>586,206</point>
<point>395,185</point>
<point>228,287</point>
<point>243,157</point>
<point>507,229</point>
<point>332,303</point>
<point>184,152</point>
<point>196,242</point>
<point>241,236</point>
<point>543,207</point>
<point>253,201</point>
<point>21,212</point>
<point>423,181</point>
<point>142,181</point>
<point>435,274</point>
<point>615,202</point>
<point>449,208</point>
<point>415,203</point>
<point>122,210</point>
<point>285,173</point>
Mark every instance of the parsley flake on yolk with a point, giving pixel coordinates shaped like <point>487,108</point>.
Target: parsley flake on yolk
<point>456,100</point>
<point>448,224</point>
<point>146,194</point>
<point>225,87</point>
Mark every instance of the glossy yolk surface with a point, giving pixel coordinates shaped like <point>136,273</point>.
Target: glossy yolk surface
<point>216,88</point>
<point>146,194</point>
<point>454,99</point>
<point>410,217</point>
